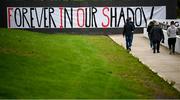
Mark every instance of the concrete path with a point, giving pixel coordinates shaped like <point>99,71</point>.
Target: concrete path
<point>165,65</point>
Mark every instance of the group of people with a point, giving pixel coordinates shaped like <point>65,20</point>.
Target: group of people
<point>155,34</point>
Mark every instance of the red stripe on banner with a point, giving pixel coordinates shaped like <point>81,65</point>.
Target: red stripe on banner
<point>61,20</point>
<point>108,19</point>
<point>80,9</point>
<point>9,14</point>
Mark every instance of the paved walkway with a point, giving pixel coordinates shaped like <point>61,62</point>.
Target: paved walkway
<point>165,65</point>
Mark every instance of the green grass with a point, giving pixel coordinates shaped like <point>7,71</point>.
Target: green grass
<point>37,65</point>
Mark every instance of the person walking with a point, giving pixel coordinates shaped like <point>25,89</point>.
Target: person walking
<point>150,26</point>
<point>171,32</point>
<point>157,36</point>
<point>128,33</point>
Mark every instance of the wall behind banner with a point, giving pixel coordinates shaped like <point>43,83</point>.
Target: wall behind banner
<point>170,10</point>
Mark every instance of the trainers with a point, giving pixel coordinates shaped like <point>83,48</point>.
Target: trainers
<point>170,52</point>
<point>173,53</point>
<point>158,52</point>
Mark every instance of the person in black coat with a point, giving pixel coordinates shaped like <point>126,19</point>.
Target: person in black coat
<point>150,26</point>
<point>157,36</point>
<point>128,33</point>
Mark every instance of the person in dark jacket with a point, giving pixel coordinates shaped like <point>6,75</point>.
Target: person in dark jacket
<point>150,26</point>
<point>128,33</point>
<point>132,23</point>
<point>157,36</point>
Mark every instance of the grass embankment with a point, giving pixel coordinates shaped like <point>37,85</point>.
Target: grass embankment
<point>37,65</point>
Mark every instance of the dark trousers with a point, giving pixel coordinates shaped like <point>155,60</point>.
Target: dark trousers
<point>129,39</point>
<point>156,46</point>
<point>171,43</point>
<point>151,44</point>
